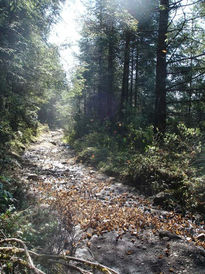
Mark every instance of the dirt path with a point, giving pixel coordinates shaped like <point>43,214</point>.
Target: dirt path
<point>114,225</point>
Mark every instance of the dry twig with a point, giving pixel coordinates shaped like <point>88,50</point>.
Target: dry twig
<point>51,258</point>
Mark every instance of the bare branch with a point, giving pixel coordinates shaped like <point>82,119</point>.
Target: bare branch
<point>32,266</point>
<point>101,267</point>
<point>56,258</point>
<point>184,82</point>
<point>178,32</point>
<point>82,271</point>
<point>186,58</point>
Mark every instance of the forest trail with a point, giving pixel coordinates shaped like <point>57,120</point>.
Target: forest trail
<point>112,223</point>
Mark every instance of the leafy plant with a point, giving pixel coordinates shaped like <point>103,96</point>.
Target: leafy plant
<point>152,163</point>
<point>6,198</point>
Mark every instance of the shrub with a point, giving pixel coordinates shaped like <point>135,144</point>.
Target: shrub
<point>166,165</point>
<point>93,155</point>
<point>152,162</point>
<point>6,199</point>
<point>139,139</point>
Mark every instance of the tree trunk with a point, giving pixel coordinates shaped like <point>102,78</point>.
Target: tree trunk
<point>125,81</point>
<point>137,75</point>
<point>100,86</point>
<point>131,80</point>
<point>110,91</point>
<point>161,68</point>
<point>191,75</point>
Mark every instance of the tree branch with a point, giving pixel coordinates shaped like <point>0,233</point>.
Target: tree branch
<point>53,258</point>
<point>32,266</point>
<point>184,82</point>
<point>186,58</point>
<point>82,271</point>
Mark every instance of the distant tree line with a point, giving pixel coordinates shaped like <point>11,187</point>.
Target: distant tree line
<point>143,62</point>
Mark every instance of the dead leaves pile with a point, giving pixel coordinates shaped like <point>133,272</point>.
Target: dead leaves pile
<point>83,204</point>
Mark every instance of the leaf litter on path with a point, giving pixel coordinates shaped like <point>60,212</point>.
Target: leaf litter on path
<point>107,210</point>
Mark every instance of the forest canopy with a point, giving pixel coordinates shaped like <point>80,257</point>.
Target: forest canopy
<point>143,62</point>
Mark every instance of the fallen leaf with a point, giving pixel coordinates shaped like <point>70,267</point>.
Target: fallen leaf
<point>129,252</point>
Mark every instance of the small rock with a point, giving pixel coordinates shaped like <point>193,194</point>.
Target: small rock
<point>100,177</point>
<point>201,237</point>
<point>166,239</point>
<point>44,206</point>
<point>33,177</point>
<point>111,179</point>
<point>90,230</point>
<point>162,199</point>
<point>168,234</point>
<point>16,163</point>
<point>83,253</point>
<point>134,233</point>
<point>53,143</point>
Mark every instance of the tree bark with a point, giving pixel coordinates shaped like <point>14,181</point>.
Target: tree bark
<point>137,75</point>
<point>110,90</point>
<point>100,86</point>
<point>161,68</point>
<point>132,79</point>
<point>125,81</point>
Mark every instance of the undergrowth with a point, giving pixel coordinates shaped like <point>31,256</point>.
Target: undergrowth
<point>151,162</point>
<point>21,216</point>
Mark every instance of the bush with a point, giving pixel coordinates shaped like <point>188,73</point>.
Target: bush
<point>152,162</point>
<point>5,132</point>
<point>93,155</point>
<point>6,199</point>
<point>167,166</point>
<point>139,139</point>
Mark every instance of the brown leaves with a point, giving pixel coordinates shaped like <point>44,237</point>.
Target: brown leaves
<point>112,213</point>
<point>130,252</point>
<point>89,235</point>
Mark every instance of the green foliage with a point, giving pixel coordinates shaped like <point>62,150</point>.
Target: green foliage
<point>93,155</point>
<point>6,198</point>
<point>5,132</point>
<point>31,81</point>
<point>33,225</point>
<point>139,139</point>
<point>151,162</point>
<point>20,218</point>
<point>167,166</point>
<point>31,77</point>
<point>11,187</point>
<point>78,82</point>
<point>69,101</point>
